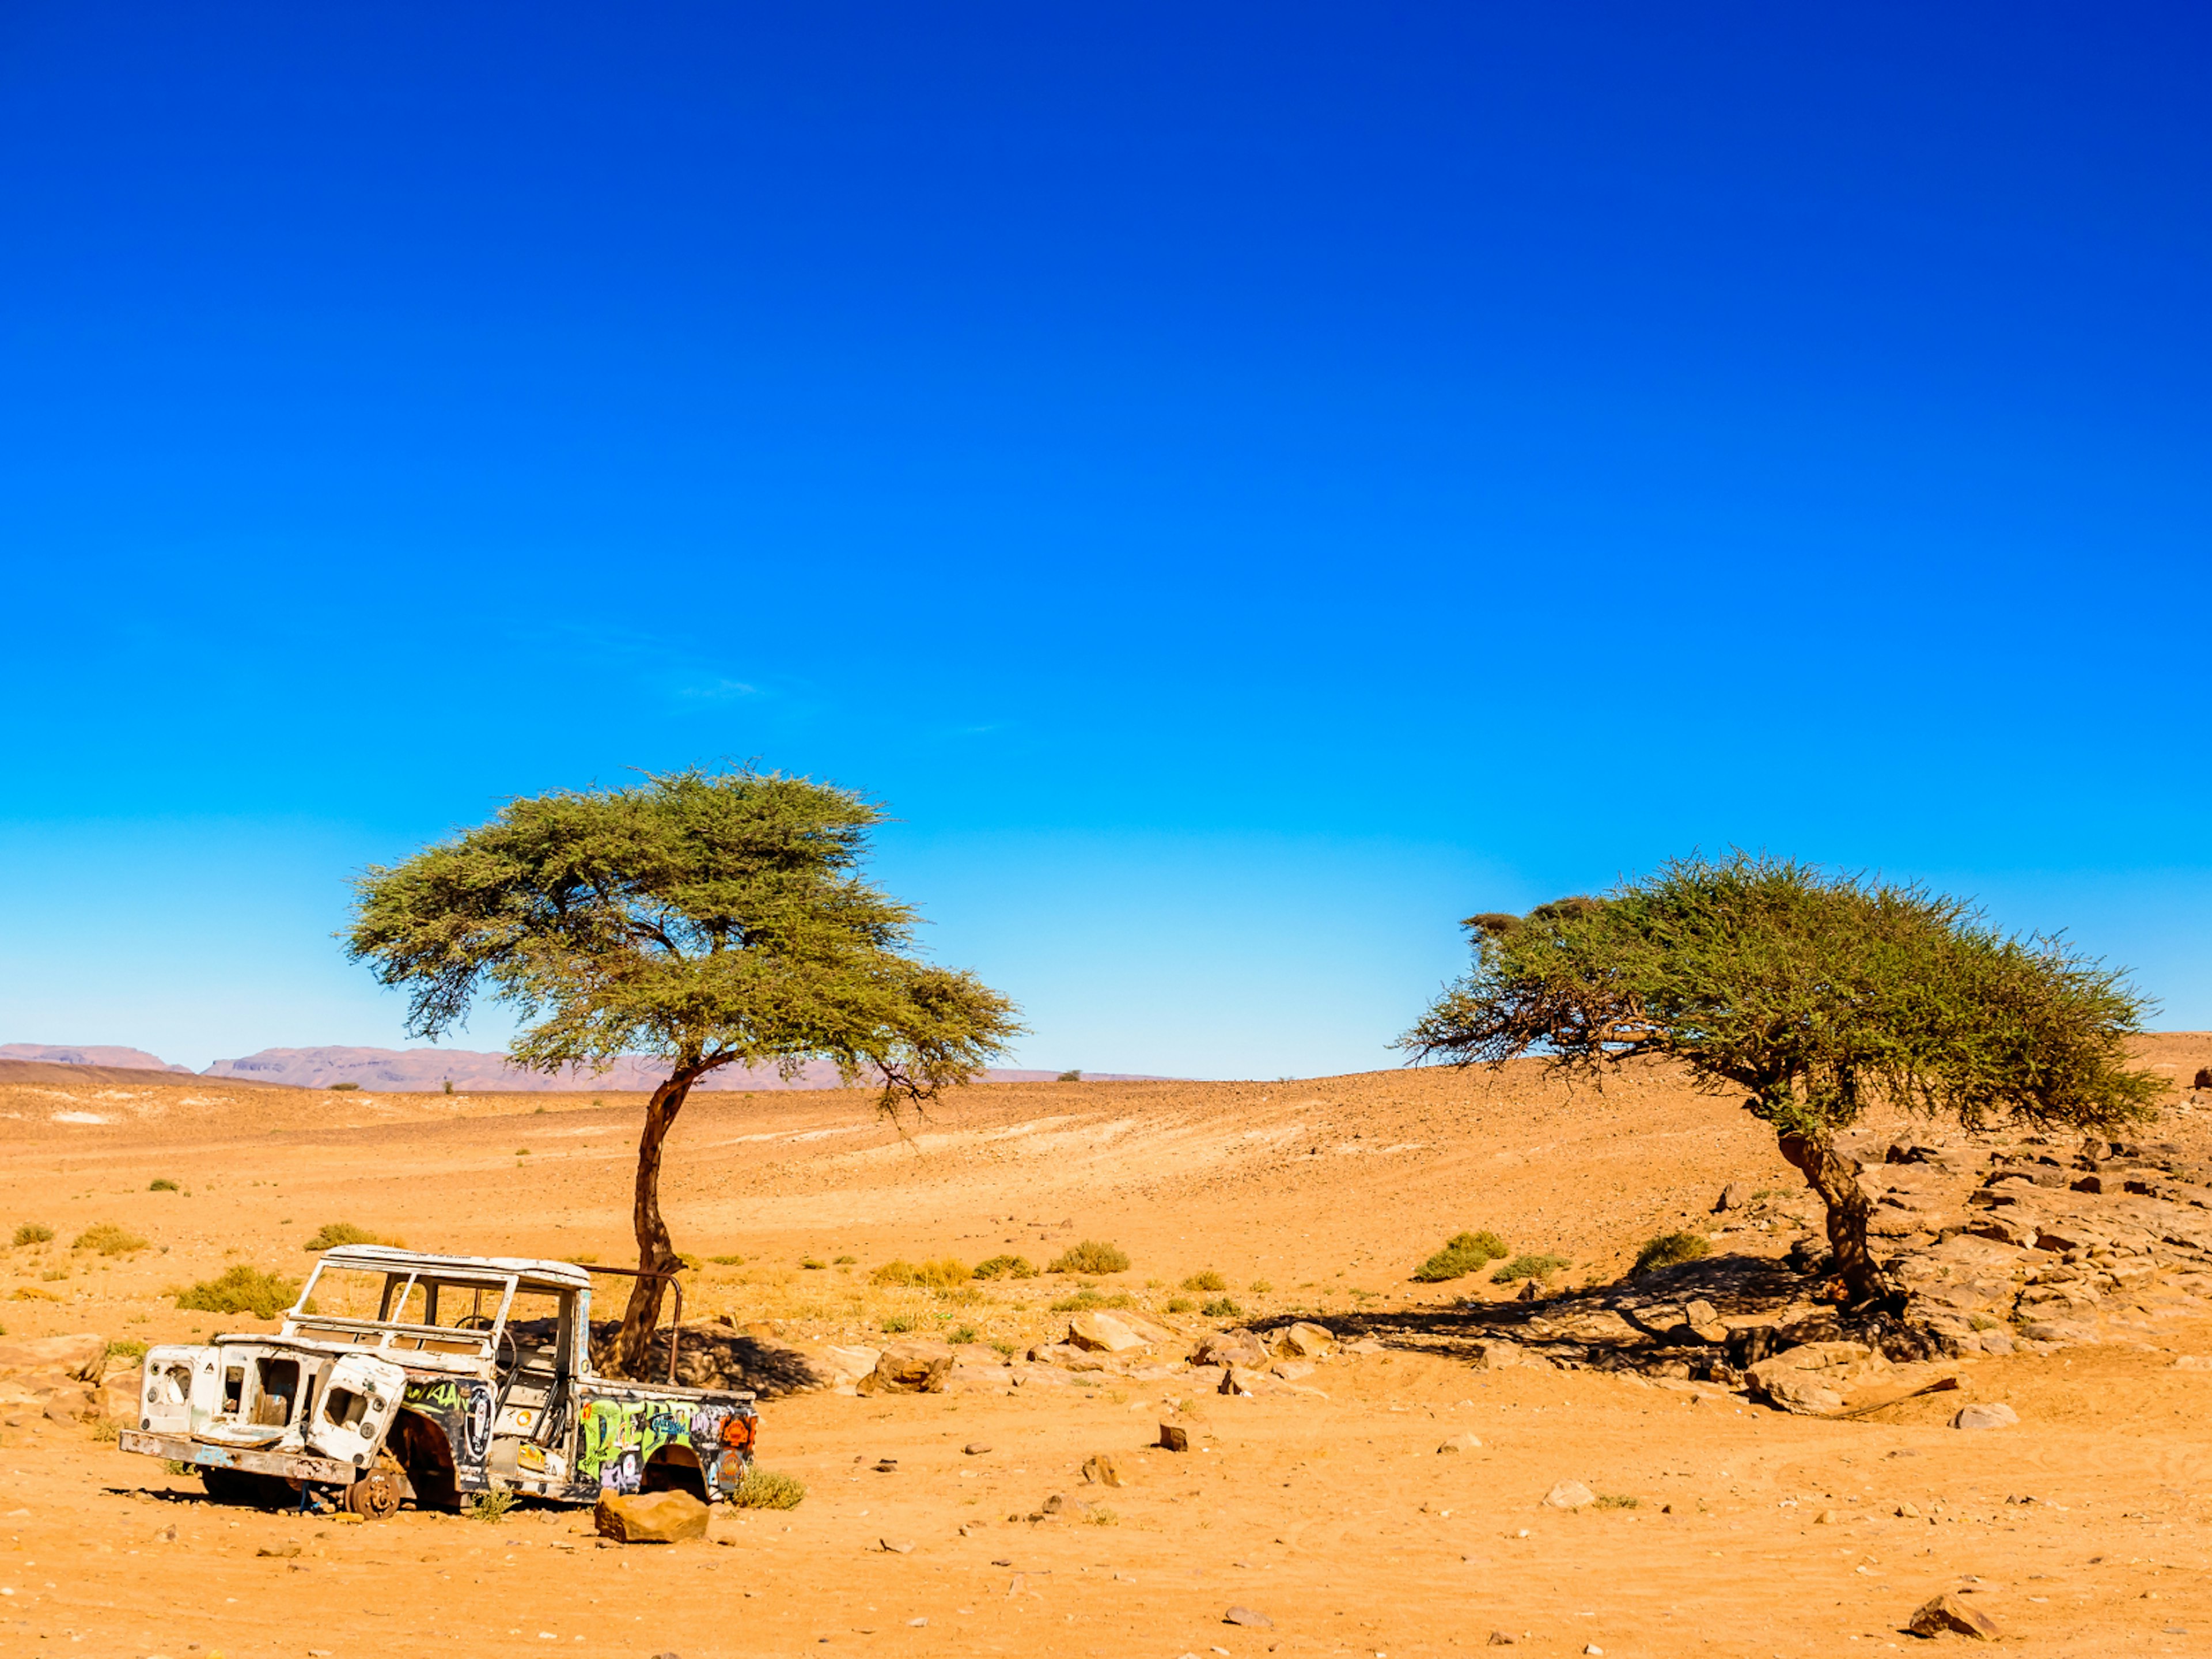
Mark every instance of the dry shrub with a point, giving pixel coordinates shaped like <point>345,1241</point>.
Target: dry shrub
<point>1668,1249</point>
<point>1208,1280</point>
<point>242,1288</point>
<point>764,1489</point>
<point>1462,1254</point>
<point>940,1275</point>
<point>108,1239</point>
<point>335,1233</point>
<point>1092,1256</point>
<point>1530,1265</point>
<point>1005,1266</point>
<point>33,1232</point>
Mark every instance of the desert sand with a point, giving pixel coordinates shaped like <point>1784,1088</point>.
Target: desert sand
<point>1332,1513</point>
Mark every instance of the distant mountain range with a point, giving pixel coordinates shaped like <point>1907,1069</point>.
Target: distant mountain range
<point>90,1054</point>
<point>426,1070</point>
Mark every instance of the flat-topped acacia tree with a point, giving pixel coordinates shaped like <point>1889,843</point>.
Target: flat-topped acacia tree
<point>1816,995</point>
<point>704,919</point>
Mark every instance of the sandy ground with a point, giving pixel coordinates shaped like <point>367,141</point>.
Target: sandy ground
<point>2080,1531</point>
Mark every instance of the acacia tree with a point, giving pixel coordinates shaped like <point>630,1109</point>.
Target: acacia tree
<point>1817,995</point>
<point>707,920</point>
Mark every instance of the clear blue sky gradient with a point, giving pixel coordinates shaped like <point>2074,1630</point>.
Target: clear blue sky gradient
<point>1246,485</point>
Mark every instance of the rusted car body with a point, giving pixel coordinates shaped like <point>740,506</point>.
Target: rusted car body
<point>401,1376</point>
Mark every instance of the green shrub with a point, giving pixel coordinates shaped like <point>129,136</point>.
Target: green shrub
<point>1071,1077</point>
<point>126,1347</point>
<point>962,1333</point>
<point>1006,1267</point>
<point>727,1261</point>
<point>1668,1248</point>
<point>1208,1280</point>
<point>941,1275</point>
<point>894,1323</point>
<point>764,1489</point>
<point>162,1184</point>
<point>1180,1304</point>
<point>812,1264</point>
<point>490,1505</point>
<point>1462,1254</point>
<point>1221,1308</point>
<point>1261,1287</point>
<point>335,1233</point>
<point>242,1288</point>
<point>108,1239</point>
<point>1614,1500</point>
<point>1529,1266</point>
<point>1092,1256</point>
<point>33,1232</point>
<point>341,1087</point>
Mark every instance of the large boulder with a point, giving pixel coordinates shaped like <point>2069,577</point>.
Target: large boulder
<point>79,1355</point>
<point>1305,1340</point>
<point>1951,1615</point>
<point>909,1368</point>
<point>650,1517</point>
<point>1102,1333</point>
<point>1815,1378</point>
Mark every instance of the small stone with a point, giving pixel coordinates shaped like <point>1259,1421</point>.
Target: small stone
<point>1460,1442</point>
<point>974,1449</point>
<point>1733,1196</point>
<point>897,1545</point>
<point>1700,1312</point>
<point>1993,1414</point>
<point>1174,1437</point>
<point>1947,1614</point>
<point>1907,1512</point>
<point>1247,1616</point>
<point>278,1550</point>
<point>1306,1341</point>
<point>1592,1647</point>
<point>2193,1362</point>
<point>1825,1518</point>
<point>1570,1495</point>
<point>1500,1638</point>
<point>1098,1470</point>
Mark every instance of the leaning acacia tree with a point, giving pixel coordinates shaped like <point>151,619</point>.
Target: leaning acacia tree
<point>1817,996</point>
<point>707,920</point>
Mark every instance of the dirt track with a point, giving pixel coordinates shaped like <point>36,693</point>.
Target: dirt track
<point>1336,1517</point>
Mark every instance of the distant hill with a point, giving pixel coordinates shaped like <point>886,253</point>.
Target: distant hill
<point>428,1070</point>
<point>69,1074</point>
<point>133,1060</point>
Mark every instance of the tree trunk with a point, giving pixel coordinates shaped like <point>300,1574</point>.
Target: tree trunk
<point>1836,1179</point>
<point>655,1253</point>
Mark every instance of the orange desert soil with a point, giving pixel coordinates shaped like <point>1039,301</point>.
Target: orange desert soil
<point>1752,1533</point>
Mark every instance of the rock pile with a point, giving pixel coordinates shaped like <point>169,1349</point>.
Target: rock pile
<point>2001,1246</point>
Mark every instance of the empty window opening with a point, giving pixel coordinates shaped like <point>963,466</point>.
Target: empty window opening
<point>234,1389</point>
<point>277,1385</point>
<point>343,1408</point>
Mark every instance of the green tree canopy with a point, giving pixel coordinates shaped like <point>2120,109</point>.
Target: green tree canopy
<point>1817,996</point>
<point>706,918</point>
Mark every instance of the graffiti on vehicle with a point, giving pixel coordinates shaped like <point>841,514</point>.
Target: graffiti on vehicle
<point>462,1409</point>
<point>616,1438</point>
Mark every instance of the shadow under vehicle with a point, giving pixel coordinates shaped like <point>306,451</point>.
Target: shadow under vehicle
<point>406,1378</point>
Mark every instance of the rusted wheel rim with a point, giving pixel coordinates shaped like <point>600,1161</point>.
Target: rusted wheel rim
<point>374,1497</point>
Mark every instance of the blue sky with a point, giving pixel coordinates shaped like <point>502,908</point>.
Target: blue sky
<point>1246,485</point>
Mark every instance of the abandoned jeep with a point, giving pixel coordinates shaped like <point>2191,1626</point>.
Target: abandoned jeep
<point>399,1376</point>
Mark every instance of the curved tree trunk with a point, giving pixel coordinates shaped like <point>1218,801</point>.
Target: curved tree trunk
<point>1836,1179</point>
<point>654,1252</point>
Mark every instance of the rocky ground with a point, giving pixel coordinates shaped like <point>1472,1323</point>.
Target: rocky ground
<point>1636,1465</point>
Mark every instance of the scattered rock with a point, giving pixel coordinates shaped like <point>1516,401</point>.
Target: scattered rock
<point>278,1552</point>
<point>897,1545</point>
<point>1460,1442</point>
<point>1247,1616</point>
<point>1098,1468</point>
<point>1570,1495</point>
<point>1500,1638</point>
<point>1949,1615</point>
<point>1494,1356</point>
<point>650,1517</point>
<point>80,1355</point>
<point>1175,1437</point>
<point>974,1449</point>
<point>1907,1512</point>
<point>1292,1370</point>
<point>2193,1362</point>
<point>1365,1345</point>
<point>1230,1348</point>
<point>1736,1196</point>
<point>909,1368</point>
<point>1993,1414</point>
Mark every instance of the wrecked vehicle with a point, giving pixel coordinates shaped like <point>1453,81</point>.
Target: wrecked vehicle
<point>402,1376</point>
